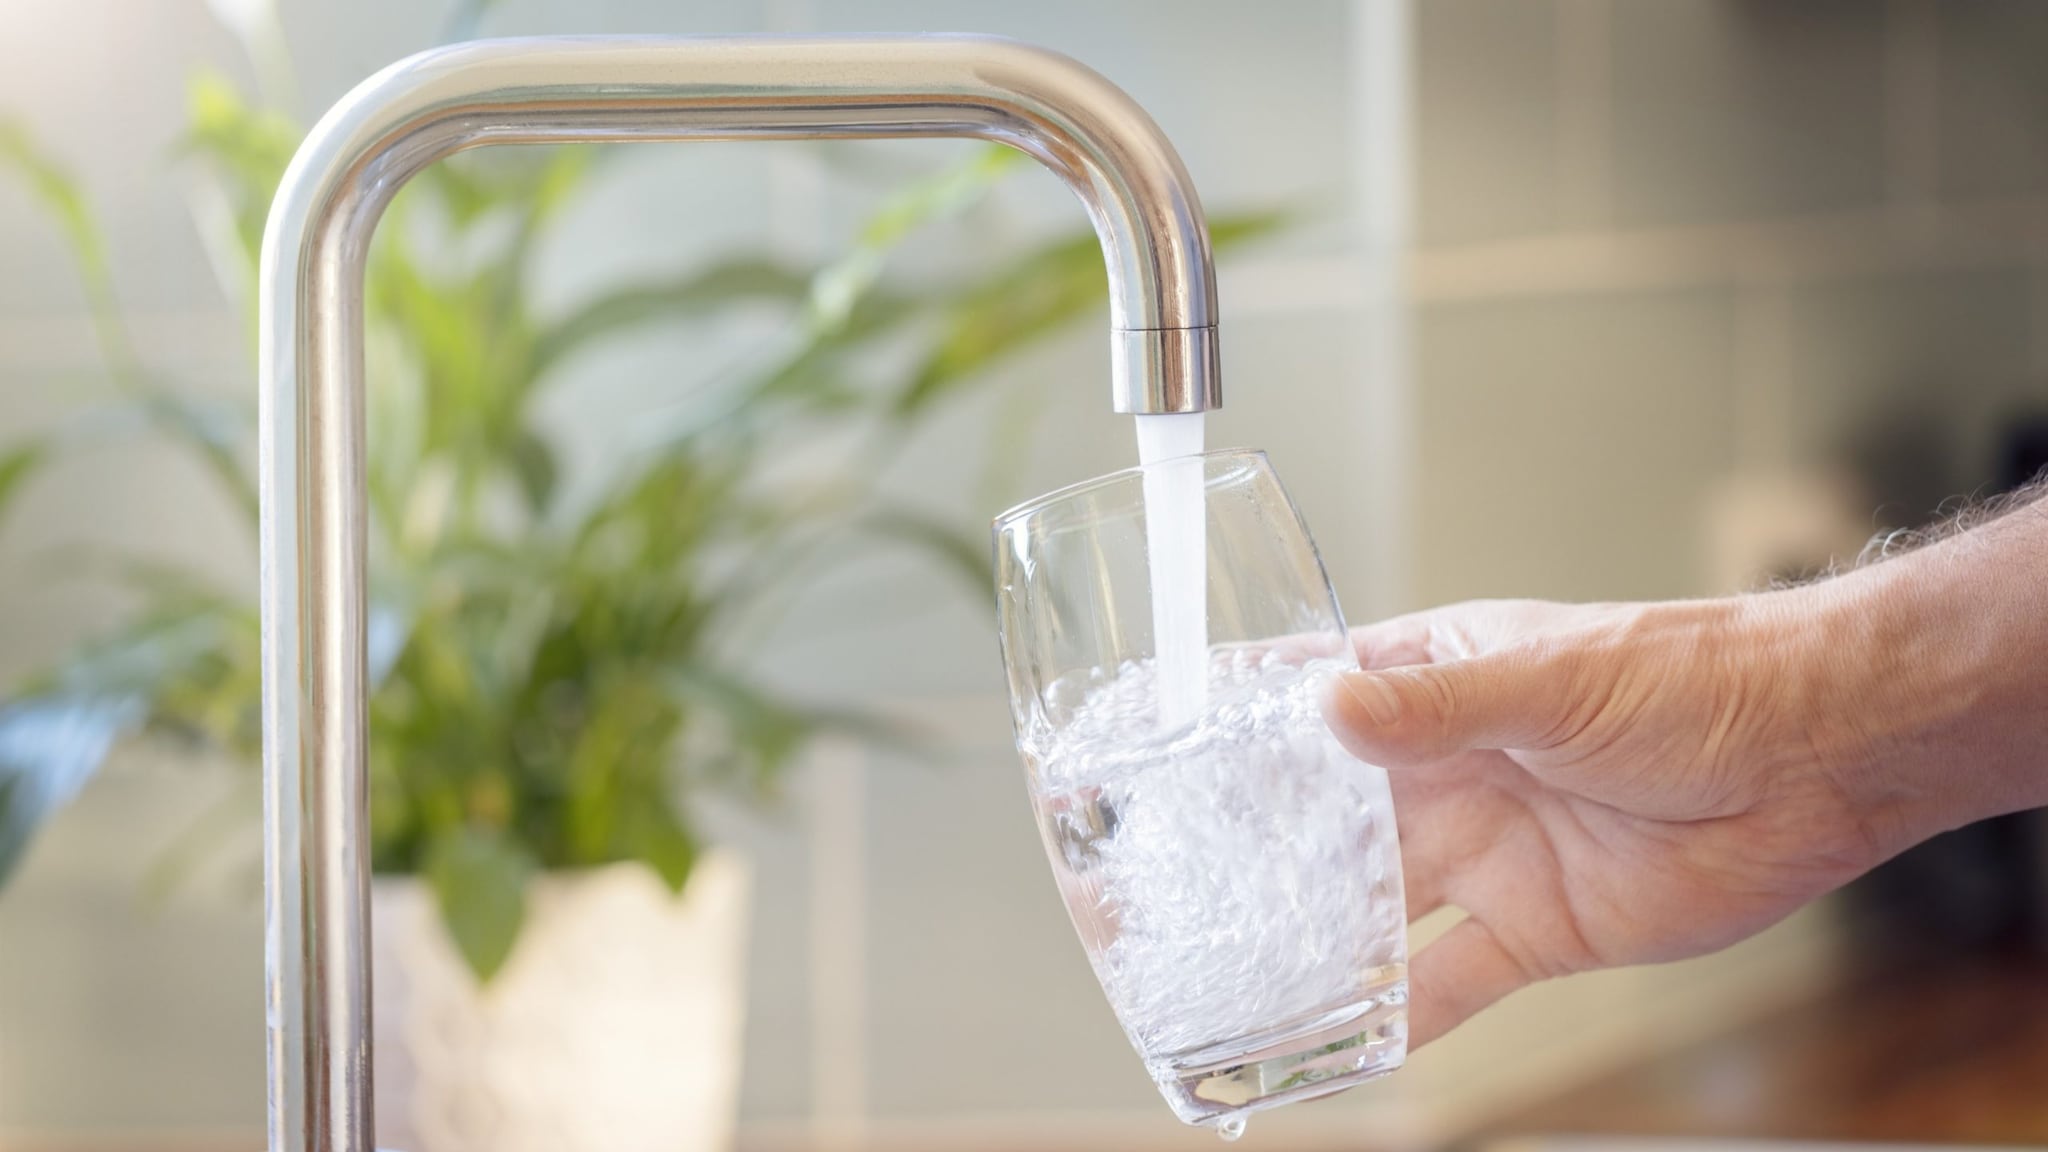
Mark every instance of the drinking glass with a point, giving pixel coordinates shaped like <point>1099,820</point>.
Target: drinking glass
<point>1233,872</point>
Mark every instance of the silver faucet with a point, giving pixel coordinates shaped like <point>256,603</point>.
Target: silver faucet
<point>420,110</point>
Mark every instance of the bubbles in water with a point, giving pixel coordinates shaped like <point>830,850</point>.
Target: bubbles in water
<point>1226,877</point>
<point>1230,1127</point>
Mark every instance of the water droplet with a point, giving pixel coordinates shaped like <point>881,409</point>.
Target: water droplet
<point>1230,1127</point>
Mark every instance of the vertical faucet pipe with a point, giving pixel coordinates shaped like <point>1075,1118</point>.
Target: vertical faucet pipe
<point>314,505</point>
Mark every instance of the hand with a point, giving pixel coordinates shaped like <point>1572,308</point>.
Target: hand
<point>1620,784</point>
<point>1604,784</point>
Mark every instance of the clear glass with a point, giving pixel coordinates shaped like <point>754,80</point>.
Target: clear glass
<point>1233,873</point>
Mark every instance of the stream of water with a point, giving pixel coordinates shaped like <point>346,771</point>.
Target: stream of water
<point>1176,541</point>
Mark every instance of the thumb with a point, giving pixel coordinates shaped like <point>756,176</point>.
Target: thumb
<point>1397,717</point>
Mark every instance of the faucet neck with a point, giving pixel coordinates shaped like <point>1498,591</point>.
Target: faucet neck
<point>1088,132</point>
<point>314,502</point>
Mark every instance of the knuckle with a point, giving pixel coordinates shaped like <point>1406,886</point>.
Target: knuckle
<point>1437,697</point>
<point>1451,639</point>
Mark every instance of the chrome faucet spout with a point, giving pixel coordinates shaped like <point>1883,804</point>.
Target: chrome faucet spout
<point>314,507</point>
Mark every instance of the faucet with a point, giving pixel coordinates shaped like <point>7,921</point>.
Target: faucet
<point>314,506</point>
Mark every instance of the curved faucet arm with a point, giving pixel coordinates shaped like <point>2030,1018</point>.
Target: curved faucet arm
<point>1127,176</point>
<point>314,561</point>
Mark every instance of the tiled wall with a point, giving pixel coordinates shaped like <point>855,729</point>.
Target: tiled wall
<point>1670,245</point>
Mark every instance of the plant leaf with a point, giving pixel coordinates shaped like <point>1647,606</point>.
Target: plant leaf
<point>839,287</point>
<point>718,286</point>
<point>754,735</point>
<point>654,834</point>
<point>49,747</point>
<point>533,463</point>
<point>60,195</point>
<point>215,430</point>
<point>1231,230</point>
<point>479,877</point>
<point>246,149</point>
<point>239,809</point>
<point>465,19</point>
<point>212,428</point>
<point>188,664</point>
<point>963,553</point>
<point>16,466</point>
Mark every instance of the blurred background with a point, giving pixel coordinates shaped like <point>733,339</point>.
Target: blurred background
<point>1580,299</point>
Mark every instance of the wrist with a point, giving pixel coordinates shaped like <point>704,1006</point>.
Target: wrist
<point>1919,680</point>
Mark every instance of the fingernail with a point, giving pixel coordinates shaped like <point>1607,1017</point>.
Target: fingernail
<point>1374,695</point>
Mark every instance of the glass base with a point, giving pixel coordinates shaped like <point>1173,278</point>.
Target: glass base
<point>1326,1053</point>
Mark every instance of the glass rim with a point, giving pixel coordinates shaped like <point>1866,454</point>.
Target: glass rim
<point>1037,504</point>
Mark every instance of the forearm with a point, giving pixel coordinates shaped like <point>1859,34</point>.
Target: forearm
<point>1928,678</point>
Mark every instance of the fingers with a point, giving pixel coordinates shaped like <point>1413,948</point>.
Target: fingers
<point>1421,892</point>
<point>1399,717</point>
<point>1465,970</point>
<point>1432,843</point>
<point>1424,872</point>
<point>1396,642</point>
<point>1454,632</point>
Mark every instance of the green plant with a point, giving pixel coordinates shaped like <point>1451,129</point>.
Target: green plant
<point>556,659</point>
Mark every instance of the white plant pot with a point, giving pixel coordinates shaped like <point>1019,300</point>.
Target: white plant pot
<point>615,1026</point>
